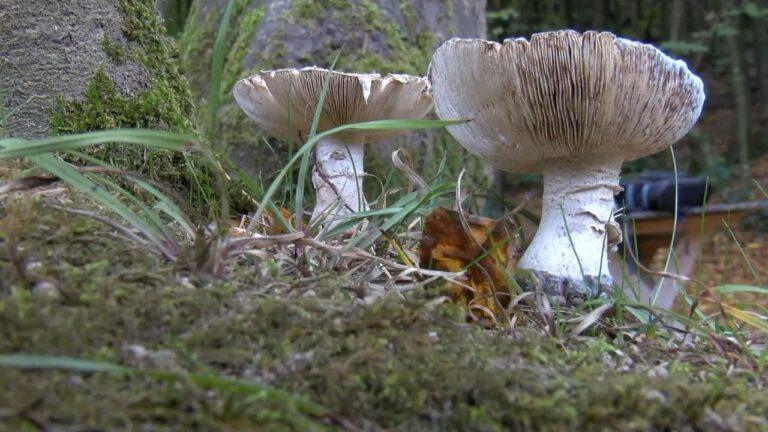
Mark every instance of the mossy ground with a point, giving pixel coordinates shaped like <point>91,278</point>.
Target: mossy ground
<point>399,364</point>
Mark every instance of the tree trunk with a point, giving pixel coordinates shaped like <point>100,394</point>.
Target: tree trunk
<point>83,65</point>
<point>88,64</point>
<point>676,20</point>
<point>741,96</point>
<point>384,36</point>
<point>760,29</point>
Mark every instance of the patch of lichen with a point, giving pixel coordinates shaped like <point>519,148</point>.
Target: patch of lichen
<point>401,364</point>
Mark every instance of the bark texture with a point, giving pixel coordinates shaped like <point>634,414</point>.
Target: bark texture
<point>88,64</point>
<point>49,49</point>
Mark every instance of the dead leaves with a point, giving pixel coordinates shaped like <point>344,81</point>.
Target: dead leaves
<point>479,247</point>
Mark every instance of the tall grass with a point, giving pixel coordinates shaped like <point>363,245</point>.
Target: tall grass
<point>143,219</point>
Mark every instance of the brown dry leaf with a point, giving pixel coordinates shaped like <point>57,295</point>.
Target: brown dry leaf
<point>239,227</point>
<point>445,245</point>
<point>273,227</point>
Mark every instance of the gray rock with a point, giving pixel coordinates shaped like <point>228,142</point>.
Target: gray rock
<point>45,289</point>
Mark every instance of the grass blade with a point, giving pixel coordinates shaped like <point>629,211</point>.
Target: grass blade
<point>33,361</point>
<point>674,230</point>
<point>205,381</point>
<point>730,289</point>
<point>217,68</point>
<point>98,194</point>
<point>304,166</point>
<point>257,192</point>
<point>164,203</point>
<point>750,318</point>
<point>374,125</point>
<point>755,274</point>
<point>15,147</point>
<point>760,188</point>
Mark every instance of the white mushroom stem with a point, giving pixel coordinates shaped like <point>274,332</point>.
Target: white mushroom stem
<point>577,192</point>
<point>338,179</point>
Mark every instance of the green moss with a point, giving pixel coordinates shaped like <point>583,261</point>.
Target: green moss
<point>409,14</point>
<point>103,107</point>
<point>305,9</point>
<point>397,364</point>
<point>158,54</point>
<point>196,47</point>
<point>115,52</point>
<point>164,102</point>
<point>308,11</point>
<point>402,56</point>
<point>234,62</point>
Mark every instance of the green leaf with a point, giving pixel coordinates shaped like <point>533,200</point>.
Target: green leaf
<point>33,361</point>
<point>95,192</point>
<point>730,289</point>
<point>373,125</point>
<point>15,147</point>
<point>217,68</point>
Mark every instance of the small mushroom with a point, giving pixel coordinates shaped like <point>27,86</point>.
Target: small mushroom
<point>270,97</point>
<point>573,107</point>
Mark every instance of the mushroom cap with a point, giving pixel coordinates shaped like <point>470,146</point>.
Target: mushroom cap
<point>351,98</point>
<point>561,95</point>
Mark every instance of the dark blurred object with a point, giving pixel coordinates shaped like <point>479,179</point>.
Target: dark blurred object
<point>655,191</point>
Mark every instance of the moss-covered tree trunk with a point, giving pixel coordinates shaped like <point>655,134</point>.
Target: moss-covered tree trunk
<point>383,36</point>
<point>78,65</point>
<point>83,65</point>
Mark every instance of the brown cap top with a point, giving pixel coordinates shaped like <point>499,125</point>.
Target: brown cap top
<point>563,94</point>
<point>351,98</point>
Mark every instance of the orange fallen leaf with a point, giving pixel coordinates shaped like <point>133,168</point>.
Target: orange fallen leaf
<point>238,227</point>
<point>482,252</point>
<point>273,227</point>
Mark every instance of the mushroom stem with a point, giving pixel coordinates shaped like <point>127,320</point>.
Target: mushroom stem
<point>580,193</point>
<point>338,178</point>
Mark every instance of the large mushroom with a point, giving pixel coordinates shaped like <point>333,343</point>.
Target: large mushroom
<point>573,107</point>
<point>289,97</point>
